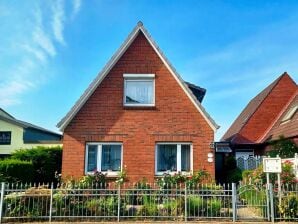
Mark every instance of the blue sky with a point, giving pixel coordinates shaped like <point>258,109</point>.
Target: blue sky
<point>51,50</point>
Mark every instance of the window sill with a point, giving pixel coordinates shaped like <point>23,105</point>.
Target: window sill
<point>107,174</point>
<point>136,107</point>
<point>159,175</point>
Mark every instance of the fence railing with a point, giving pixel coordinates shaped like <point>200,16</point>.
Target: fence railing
<point>249,163</point>
<point>24,202</point>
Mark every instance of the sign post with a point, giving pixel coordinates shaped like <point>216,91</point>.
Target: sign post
<point>272,165</point>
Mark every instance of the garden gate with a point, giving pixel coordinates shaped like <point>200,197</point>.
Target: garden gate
<point>253,202</point>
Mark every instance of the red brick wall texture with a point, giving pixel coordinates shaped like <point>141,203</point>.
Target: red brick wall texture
<point>103,118</point>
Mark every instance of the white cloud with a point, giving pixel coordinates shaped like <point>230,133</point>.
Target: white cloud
<point>76,6</point>
<point>42,39</point>
<point>58,21</point>
<point>39,54</point>
<point>27,50</point>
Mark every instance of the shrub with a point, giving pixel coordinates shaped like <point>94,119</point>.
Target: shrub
<point>105,206</point>
<point>32,202</point>
<point>96,180</point>
<point>257,176</point>
<point>135,196</point>
<point>289,206</point>
<point>196,206</point>
<point>149,207</point>
<point>46,161</point>
<point>12,170</point>
<point>230,163</point>
<point>234,176</point>
<point>283,147</point>
<point>214,206</point>
<point>246,174</point>
<point>168,181</point>
<point>174,207</point>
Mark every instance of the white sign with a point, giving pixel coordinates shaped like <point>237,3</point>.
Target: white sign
<point>272,165</point>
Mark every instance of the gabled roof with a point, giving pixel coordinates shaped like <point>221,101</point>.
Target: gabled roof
<point>96,82</point>
<point>10,119</point>
<point>288,128</point>
<point>233,134</point>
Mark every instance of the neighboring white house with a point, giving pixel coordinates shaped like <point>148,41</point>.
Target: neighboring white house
<point>16,134</point>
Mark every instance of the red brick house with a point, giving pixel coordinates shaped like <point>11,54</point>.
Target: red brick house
<point>140,114</point>
<point>272,113</point>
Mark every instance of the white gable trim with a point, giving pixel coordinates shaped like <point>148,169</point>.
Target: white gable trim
<point>89,91</point>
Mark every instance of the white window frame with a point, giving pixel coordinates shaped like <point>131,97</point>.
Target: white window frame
<point>99,152</point>
<point>139,78</point>
<point>158,173</point>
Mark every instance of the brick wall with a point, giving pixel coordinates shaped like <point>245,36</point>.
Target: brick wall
<point>103,119</point>
<point>270,108</point>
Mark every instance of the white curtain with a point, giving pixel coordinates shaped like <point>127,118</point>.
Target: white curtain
<point>139,92</point>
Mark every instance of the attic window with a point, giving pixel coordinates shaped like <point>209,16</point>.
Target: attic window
<point>139,90</point>
<point>290,114</point>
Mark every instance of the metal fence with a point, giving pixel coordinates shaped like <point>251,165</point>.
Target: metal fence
<point>24,203</point>
<point>249,163</point>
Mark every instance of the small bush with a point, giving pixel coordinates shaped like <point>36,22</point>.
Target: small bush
<point>32,202</point>
<point>46,161</point>
<point>234,176</point>
<point>173,207</point>
<point>289,206</point>
<point>196,206</point>
<point>106,206</point>
<point>12,170</point>
<point>214,206</point>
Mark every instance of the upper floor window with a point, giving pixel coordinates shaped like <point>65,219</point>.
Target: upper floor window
<point>290,114</point>
<point>139,90</point>
<point>5,137</point>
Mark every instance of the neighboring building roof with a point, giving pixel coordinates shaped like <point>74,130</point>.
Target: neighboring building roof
<point>234,133</point>
<point>287,123</point>
<point>10,119</point>
<point>96,82</point>
<point>3,113</point>
<point>197,91</point>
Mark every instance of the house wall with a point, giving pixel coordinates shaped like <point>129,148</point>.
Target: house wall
<point>16,139</point>
<point>103,118</point>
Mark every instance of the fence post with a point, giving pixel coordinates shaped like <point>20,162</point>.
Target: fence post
<point>119,202</point>
<point>51,203</point>
<point>268,197</point>
<point>271,202</point>
<point>1,200</point>
<point>185,202</point>
<point>234,201</point>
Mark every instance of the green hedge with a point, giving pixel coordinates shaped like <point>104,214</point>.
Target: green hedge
<point>12,170</point>
<point>46,161</point>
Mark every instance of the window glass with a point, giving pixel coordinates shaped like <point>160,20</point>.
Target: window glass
<point>5,137</point>
<point>111,158</point>
<point>167,158</point>
<point>185,157</point>
<point>92,158</point>
<point>139,92</point>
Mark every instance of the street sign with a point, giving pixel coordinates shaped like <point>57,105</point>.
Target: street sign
<point>272,165</point>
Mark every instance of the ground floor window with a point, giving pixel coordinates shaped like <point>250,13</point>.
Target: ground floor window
<point>103,157</point>
<point>173,157</point>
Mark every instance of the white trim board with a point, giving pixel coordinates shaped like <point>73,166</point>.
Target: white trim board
<point>96,82</point>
